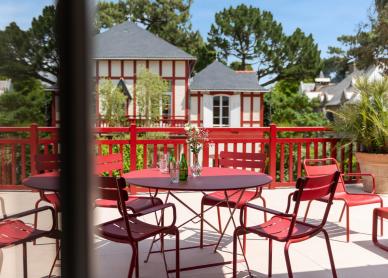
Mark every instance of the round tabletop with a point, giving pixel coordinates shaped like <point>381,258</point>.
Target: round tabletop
<point>47,181</point>
<point>211,179</point>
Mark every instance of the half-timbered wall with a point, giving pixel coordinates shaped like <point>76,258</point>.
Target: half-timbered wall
<point>176,72</point>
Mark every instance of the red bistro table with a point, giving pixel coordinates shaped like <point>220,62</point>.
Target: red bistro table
<point>212,179</point>
<point>47,182</point>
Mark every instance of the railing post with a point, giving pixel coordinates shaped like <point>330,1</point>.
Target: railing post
<point>133,152</point>
<point>272,153</point>
<point>133,140</point>
<point>205,158</point>
<point>34,147</point>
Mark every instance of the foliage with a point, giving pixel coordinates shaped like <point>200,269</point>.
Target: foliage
<point>25,105</point>
<point>150,94</point>
<point>287,107</point>
<point>254,37</point>
<point>31,53</point>
<point>168,19</point>
<point>366,121</point>
<point>113,103</point>
<point>236,65</point>
<point>369,46</point>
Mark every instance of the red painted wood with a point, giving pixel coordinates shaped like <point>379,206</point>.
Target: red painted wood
<point>290,162</point>
<point>281,162</point>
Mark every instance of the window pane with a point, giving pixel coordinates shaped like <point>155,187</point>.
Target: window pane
<point>216,121</point>
<point>225,111</point>
<point>169,85</point>
<point>166,105</point>
<point>225,121</point>
<point>216,101</point>
<point>216,112</point>
<point>225,101</point>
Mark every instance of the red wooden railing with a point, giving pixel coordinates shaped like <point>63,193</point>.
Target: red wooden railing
<point>286,147</point>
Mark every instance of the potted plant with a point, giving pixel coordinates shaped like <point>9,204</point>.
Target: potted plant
<point>365,121</point>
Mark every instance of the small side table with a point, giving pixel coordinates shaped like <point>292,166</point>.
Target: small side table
<point>383,213</point>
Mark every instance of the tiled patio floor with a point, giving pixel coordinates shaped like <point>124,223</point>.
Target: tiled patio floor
<point>359,258</point>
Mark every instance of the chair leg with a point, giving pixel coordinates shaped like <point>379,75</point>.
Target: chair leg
<point>177,261</point>
<point>347,224</point>
<point>137,261</point>
<point>201,226</point>
<point>25,268</point>
<point>342,212</point>
<point>237,232</point>
<point>55,260</point>
<point>265,206</point>
<point>36,218</point>
<point>374,226</point>
<point>381,220</point>
<point>219,220</point>
<point>270,258</point>
<point>333,270</point>
<point>287,256</point>
<point>133,261</point>
<point>3,207</point>
<point>245,235</point>
<point>307,211</point>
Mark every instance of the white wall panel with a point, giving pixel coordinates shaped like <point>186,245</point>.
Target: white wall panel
<point>167,68</point>
<point>235,108</point>
<point>153,67</point>
<point>103,68</point>
<point>256,108</point>
<point>194,108</point>
<point>115,68</point>
<point>180,69</point>
<point>128,68</point>
<point>140,65</point>
<point>247,108</point>
<point>180,98</point>
<point>207,111</point>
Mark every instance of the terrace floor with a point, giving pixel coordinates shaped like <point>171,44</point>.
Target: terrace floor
<point>359,258</point>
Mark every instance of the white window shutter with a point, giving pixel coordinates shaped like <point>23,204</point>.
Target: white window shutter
<point>207,111</point>
<point>235,107</point>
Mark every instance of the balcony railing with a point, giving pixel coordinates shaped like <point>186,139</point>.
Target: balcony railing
<point>177,121</point>
<point>286,147</point>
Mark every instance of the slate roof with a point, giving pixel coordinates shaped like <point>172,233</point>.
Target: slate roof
<point>129,41</point>
<point>218,77</point>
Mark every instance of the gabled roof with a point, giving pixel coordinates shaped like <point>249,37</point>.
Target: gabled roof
<point>129,41</point>
<point>339,89</point>
<point>218,77</point>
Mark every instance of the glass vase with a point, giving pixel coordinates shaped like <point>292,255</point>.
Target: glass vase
<point>196,168</point>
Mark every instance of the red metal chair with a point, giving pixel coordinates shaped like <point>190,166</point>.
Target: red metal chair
<point>48,163</point>
<point>253,161</point>
<point>325,166</point>
<point>383,213</point>
<point>284,227</point>
<point>14,231</point>
<point>128,229</point>
<point>114,163</point>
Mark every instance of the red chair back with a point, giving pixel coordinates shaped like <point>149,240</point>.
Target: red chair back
<point>114,189</point>
<point>324,166</point>
<point>47,162</point>
<point>314,188</point>
<point>109,163</point>
<point>252,161</point>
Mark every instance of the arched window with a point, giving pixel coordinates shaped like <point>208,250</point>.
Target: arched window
<point>221,111</point>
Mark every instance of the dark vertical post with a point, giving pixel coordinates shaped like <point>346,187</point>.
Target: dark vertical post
<point>74,37</point>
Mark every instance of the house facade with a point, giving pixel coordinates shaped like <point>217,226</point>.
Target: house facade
<point>125,50</point>
<point>221,97</point>
<point>215,97</point>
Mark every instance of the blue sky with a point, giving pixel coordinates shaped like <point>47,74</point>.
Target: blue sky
<point>325,19</point>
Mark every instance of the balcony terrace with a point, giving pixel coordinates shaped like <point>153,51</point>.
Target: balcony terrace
<point>285,148</point>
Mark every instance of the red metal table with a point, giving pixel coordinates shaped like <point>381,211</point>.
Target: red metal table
<point>47,181</point>
<point>212,179</point>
